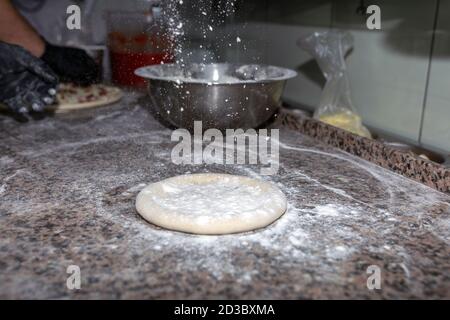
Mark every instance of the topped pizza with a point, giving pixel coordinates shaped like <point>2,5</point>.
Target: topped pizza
<point>71,97</point>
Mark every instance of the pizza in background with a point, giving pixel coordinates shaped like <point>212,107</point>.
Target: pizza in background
<point>71,97</point>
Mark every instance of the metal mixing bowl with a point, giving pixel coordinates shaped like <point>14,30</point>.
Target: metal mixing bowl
<point>221,95</point>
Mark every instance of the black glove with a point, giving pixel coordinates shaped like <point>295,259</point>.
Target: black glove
<point>71,64</point>
<point>26,82</point>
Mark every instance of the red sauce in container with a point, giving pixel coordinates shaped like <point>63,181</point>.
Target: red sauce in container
<point>123,65</point>
<point>129,52</point>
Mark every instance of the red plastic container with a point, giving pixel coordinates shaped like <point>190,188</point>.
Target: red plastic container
<point>135,40</point>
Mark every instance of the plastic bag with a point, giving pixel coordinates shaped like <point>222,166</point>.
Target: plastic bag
<point>335,107</point>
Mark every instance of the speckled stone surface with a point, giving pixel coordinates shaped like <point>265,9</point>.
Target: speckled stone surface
<point>409,165</point>
<point>67,191</point>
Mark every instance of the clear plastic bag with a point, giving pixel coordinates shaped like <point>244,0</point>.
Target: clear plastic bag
<point>329,48</point>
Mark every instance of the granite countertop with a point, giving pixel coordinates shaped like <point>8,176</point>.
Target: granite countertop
<point>68,186</point>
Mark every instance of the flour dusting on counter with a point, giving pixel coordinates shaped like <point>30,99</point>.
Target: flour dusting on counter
<point>68,188</point>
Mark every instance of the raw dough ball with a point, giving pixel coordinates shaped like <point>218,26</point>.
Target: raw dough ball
<point>211,203</point>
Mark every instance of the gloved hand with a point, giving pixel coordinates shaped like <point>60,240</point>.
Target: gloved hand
<point>26,82</point>
<point>71,64</point>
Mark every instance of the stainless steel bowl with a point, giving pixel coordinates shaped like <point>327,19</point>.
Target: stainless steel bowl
<point>220,95</point>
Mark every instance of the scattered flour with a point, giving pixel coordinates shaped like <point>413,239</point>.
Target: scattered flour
<point>316,232</point>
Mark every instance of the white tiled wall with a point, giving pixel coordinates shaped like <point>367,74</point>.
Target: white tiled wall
<point>436,124</point>
<point>388,69</point>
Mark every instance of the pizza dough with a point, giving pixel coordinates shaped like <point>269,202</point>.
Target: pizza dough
<point>71,97</point>
<point>211,203</point>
